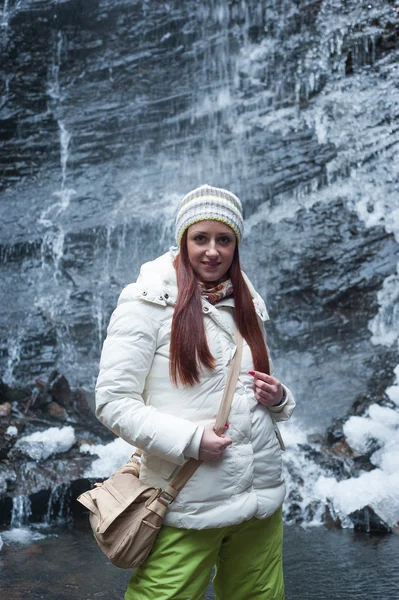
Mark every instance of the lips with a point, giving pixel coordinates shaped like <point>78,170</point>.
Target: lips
<point>210,265</point>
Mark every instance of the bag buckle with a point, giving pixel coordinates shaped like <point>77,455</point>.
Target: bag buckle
<point>169,499</point>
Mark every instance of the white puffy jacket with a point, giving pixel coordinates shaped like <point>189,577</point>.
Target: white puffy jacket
<point>137,401</point>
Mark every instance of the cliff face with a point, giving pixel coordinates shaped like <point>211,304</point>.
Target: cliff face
<point>111,111</point>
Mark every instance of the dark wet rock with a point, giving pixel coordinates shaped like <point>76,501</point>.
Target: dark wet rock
<point>295,474</point>
<point>328,461</point>
<point>366,519</point>
<point>56,411</point>
<point>38,406</point>
<point>363,463</point>
<point>310,510</point>
<point>294,496</point>
<point>376,385</point>
<point>83,405</point>
<point>294,513</point>
<point>331,520</point>
<point>5,410</point>
<point>342,449</point>
<point>335,432</point>
<point>55,388</point>
<point>8,477</point>
<point>361,404</point>
<point>59,390</point>
<point>12,394</point>
<point>5,441</point>
<point>315,438</point>
<point>34,477</point>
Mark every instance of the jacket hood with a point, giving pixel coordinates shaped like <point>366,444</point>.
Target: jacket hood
<point>157,283</point>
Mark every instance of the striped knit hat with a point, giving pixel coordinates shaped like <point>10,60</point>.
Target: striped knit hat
<point>209,203</point>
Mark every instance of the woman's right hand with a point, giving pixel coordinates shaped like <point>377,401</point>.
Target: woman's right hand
<point>212,446</point>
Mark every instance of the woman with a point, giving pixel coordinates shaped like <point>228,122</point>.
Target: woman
<point>162,374</point>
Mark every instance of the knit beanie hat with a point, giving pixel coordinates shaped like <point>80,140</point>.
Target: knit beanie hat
<point>209,203</point>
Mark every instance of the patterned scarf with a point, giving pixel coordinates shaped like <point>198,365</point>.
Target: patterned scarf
<point>218,292</point>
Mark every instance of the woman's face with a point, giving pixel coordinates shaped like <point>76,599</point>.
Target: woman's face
<point>210,246</point>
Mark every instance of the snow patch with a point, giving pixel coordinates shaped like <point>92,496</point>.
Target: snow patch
<point>42,444</point>
<point>111,457</point>
<point>393,391</point>
<point>379,424</point>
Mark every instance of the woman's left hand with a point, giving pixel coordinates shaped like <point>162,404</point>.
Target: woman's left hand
<point>268,389</point>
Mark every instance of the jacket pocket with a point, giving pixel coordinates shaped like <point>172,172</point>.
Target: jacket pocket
<point>168,469</point>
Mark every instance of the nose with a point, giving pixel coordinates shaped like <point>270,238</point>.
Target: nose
<point>212,251</point>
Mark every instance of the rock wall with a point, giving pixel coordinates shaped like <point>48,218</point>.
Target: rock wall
<point>111,111</point>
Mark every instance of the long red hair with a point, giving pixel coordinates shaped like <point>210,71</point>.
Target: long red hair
<point>188,345</point>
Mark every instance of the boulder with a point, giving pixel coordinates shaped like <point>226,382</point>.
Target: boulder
<point>366,519</point>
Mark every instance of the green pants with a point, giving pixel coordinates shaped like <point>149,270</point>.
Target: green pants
<point>247,557</point>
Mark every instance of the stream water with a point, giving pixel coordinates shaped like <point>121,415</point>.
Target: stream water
<point>319,565</point>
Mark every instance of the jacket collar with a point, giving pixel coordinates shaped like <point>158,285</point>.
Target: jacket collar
<point>157,284</point>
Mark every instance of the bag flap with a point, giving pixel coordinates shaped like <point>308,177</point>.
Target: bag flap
<point>114,496</point>
<point>87,501</point>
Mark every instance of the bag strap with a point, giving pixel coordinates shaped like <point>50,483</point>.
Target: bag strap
<point>189,468</point>
<point>230,387</point>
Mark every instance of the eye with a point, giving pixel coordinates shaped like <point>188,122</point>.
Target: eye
<point>199,238</point>
<point>225,239</point>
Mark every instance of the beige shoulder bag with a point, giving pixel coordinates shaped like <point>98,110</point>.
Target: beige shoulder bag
<point>126,514</point>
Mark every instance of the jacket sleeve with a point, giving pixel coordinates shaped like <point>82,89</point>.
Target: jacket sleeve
<point>283,411</point>
<point>126,359</point>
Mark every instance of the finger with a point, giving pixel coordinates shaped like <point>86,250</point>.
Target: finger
<point>266,399</point>
<point>226,426</point>
<point>266,387</point>
<point>264,377</point>
<point>263,396</point>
